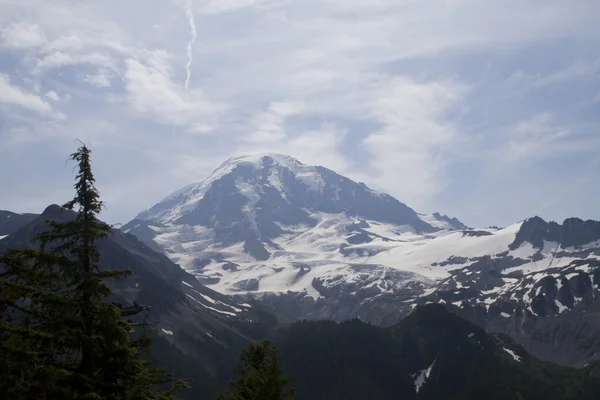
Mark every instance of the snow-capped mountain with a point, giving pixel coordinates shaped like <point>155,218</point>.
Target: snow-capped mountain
<point>256,194</point>
<point>314,244</point>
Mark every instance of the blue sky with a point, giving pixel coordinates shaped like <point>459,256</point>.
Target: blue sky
<point>484,110</point>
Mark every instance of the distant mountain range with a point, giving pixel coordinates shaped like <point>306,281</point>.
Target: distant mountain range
<point>430,354</point>
<point>310,243</point>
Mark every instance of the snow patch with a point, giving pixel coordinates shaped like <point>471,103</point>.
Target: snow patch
<point>421,376</point>
<point>427,292</point>
<point>512,353</point>
<point>571,275</point>
<point>560,306</point>
<point>229,314</point>
<point>524,251</point>
<point>167,332</point>
<point>3,236</point>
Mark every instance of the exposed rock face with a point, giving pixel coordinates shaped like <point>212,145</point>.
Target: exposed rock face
<point>451,221</point>
<point>573,232</point>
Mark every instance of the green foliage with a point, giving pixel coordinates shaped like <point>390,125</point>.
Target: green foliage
<point>59,337</point>
<point>33,328</point>
<point>261,375</point>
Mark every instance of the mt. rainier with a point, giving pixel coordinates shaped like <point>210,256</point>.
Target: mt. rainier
<point>269,224</point>
<point>314,244</point>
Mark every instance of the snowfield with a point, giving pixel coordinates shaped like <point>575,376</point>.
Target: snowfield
<point>262,225</point>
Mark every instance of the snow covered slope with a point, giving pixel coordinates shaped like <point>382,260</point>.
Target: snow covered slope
<point>315,244</point>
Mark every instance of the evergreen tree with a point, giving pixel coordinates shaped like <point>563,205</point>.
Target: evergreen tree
<point>80,345</point>
<point>32,310</point>
<point>261,375</point>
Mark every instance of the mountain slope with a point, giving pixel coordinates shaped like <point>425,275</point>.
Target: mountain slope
<point>10,222</point>
<point>431,354</point>
<point>192,324</point>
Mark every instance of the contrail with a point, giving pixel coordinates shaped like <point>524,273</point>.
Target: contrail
<point>189,14</point>
<point>175,125</point>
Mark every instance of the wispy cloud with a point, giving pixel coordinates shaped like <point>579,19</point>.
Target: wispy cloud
<point>58,59</point>
<point>14,95</point>
<point>22,35</point>
<point>269,125</point>
<point>152,92</point>
<point>226,6</point>
<point>541,136</point>
<point>101,78</point>
<point>416,131</point>
<point>52,95</point>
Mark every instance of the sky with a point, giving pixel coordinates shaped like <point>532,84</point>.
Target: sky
<point>484,110</point>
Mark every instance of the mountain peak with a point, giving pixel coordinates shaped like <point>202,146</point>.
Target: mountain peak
<point>251,193</point>
<point>52,211</point>
<point>260,159</point>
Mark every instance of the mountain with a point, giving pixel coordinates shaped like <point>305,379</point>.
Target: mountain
<point>192,324</point>
<point>431,354</point>
<point>253,195</point>
<point>269,225</point>
<point>311,244</point>
<point>443,221</point>
<point>10,222</point>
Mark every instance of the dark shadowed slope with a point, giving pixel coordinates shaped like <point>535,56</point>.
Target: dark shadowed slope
<point>431,354</point>
<point>197,330</point>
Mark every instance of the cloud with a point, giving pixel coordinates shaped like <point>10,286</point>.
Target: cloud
<point>70,42</point>
<point>269,126</point>
<point>320,146</point>
<point>59,59</point>
<point>22,35</point>
<point>274,130</point>
<point>541,136</point>
<point>10,94</point>
<point>578,69</point>
<point>151,91</point>
<point>409,151</point>
<point>101,79</point>
<point>224,6</point>
<point>52,95</point>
